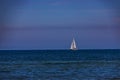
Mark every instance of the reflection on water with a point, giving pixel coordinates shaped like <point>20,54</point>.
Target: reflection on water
<point>84,70</point>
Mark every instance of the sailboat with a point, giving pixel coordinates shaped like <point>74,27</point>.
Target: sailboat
<point>73,45</point>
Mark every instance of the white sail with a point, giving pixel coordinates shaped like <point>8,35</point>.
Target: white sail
<point>73,45</point>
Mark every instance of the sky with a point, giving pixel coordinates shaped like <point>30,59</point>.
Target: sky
<point>61,13</point>
<point>52,24</point>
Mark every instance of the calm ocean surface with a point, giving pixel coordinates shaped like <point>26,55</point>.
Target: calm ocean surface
<point>58,55</point>
<point>59,65</point>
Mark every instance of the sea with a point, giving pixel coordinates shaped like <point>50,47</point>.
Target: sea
<point>102,64</point>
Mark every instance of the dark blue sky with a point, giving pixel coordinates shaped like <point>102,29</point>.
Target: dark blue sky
<point>62,13</point>
<point>51,24</point>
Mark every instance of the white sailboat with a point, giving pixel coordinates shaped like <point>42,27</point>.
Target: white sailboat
<point>73,45</point>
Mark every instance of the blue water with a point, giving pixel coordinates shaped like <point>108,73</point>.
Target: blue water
<point>60,65</point>
<point>59,55</point>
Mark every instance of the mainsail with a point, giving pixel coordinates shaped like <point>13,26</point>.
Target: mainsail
<point>73,45</point>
